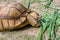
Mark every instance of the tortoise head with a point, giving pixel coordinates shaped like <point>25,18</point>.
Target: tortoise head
<point>33,18</point>
<point>35,15</point>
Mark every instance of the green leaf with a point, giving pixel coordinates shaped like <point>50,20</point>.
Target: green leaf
<point>40,35</point>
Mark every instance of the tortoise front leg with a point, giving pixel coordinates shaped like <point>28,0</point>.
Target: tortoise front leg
<point>32,21</point>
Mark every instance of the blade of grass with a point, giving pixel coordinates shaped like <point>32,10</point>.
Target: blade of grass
<point>49,32</point>
<point>53,25</point>
<point>28,4</point>
<point>40,35</point>
<point>48,3</point>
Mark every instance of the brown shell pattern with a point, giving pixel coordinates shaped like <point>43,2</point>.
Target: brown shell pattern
<point>11,15</point>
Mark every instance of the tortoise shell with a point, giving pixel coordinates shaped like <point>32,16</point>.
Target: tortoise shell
<point>12,9</point>
<point>12,14</point>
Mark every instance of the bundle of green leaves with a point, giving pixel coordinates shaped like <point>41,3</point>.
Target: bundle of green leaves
<point>49,22</point>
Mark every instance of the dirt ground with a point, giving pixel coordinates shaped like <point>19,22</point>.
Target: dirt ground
<point>21,34</point>
<point>27,33</point>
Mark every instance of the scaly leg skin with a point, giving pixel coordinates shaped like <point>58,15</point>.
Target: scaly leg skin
<point>32,21</point>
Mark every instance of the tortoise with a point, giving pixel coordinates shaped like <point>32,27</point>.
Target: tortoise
<point>14,15</point>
